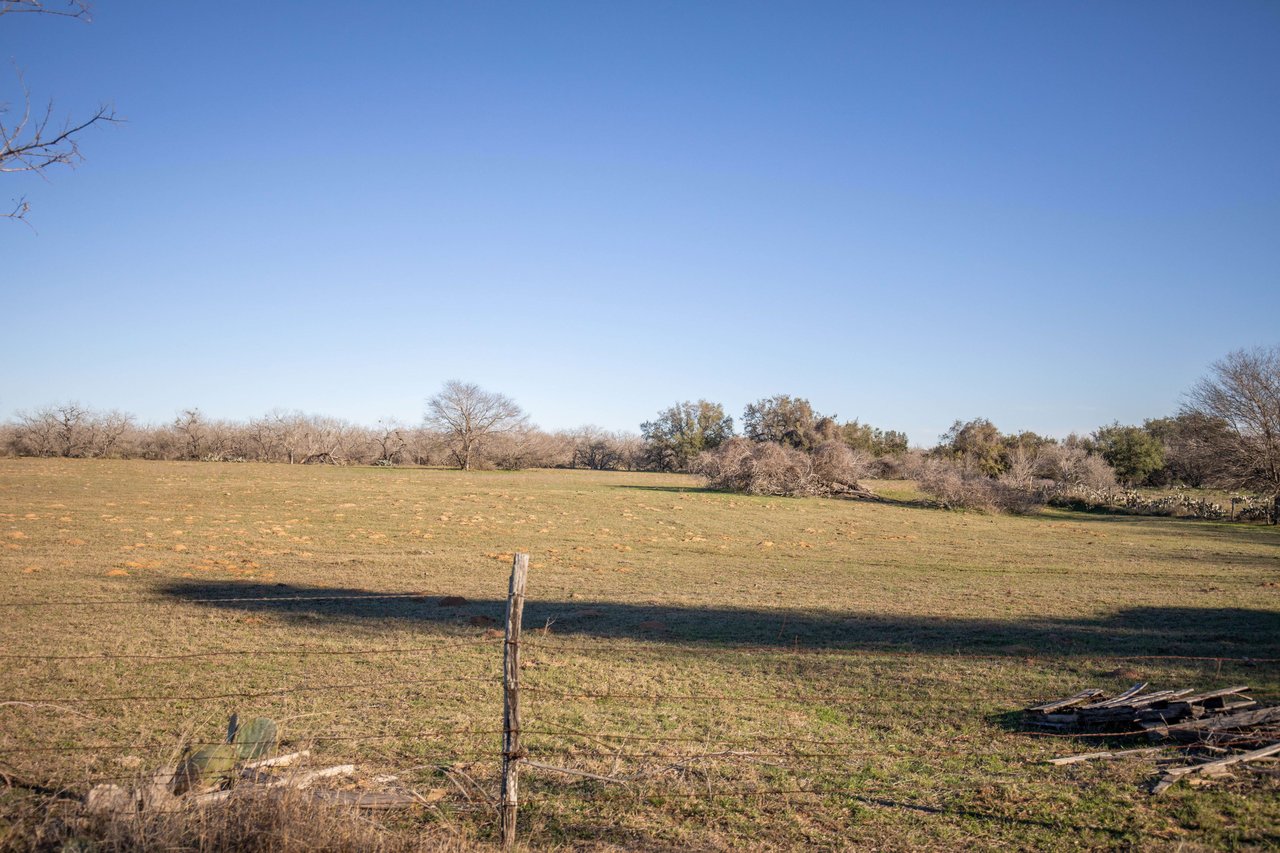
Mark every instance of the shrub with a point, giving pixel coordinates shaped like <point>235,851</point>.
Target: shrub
<point>956,488</point>
<point>767,468</point>
<point>903,466</point>
<point>523,448</point>
<point>1072,464</point>
<point>838,466</point>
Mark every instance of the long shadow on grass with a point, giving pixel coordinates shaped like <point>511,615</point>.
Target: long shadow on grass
<point>1199,631</point>
<point>679,489</point>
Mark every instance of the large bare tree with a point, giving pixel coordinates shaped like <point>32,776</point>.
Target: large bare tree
<point>1242,393</point>
<point>465,415</point>
<point>33,141</point>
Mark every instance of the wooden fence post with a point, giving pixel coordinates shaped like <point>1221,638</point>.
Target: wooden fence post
<point>511,752</point>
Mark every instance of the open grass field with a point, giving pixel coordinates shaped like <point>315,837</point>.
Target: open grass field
<point>859,662</point>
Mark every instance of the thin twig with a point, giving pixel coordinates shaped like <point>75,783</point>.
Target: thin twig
<point>571,772</point>
<point>62,708</point>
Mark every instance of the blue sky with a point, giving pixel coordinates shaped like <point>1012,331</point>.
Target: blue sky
<point>1050,215</point>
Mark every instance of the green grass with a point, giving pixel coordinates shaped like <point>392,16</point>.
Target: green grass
<point>905,635</point>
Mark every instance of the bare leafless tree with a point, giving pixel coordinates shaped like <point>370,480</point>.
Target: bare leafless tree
<point>34,140</point>
<point>37,432</point>
<point>526,447</point>
<point>288,434</point>
<point>1021,467</point>
<point>595,448</point>
<point>1242,392</point>
<point>327,441</point>
<point>465,414</point>
<point>261,439</point>
<point>71,430</point>
<point>110,431</point>
<point>74,429</point>
<point>193,430</point>
<point>68,9</point>
<point>392,439</point>
<point>1070,463</point>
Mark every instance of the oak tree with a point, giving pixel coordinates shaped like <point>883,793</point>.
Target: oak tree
<point>466,415</point>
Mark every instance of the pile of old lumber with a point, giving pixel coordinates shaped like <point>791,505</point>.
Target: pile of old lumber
<point>1214,731</point>
<point>1135,710</point>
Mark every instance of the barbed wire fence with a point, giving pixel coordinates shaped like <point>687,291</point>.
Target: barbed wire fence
<point>633,768</point>
<point>67,766</point>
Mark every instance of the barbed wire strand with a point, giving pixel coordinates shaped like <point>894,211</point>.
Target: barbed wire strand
<point>91,602</point>
<point>284,691</point>
<point>304,651</point>
<point>695,697</point>
<point>69,783</point>
<point>293,741</point>
<point>782,648</point>
<point>703,739</point>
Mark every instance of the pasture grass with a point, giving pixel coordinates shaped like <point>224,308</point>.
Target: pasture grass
<point>867,656</point>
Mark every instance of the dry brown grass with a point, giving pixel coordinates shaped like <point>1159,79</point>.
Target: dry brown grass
<point>283,823</point>
<point>902,634</point>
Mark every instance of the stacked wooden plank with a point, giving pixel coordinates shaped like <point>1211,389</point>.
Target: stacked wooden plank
<point>1134,710</point>
<point>1232,727</point>
<point>1212,723</point>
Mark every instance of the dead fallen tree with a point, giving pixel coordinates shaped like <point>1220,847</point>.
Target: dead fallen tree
<point>768,468</point>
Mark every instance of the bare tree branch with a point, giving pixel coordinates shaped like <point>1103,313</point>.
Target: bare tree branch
<point>73,8</point>
<point>1239,403</point>
<point>29,146</point>
<point>33,142</point>
<point>467,414</point>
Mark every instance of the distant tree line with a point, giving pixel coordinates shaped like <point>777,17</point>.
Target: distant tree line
<point>464,426</point>
<point>75,431</point>
<point>1227,435</point>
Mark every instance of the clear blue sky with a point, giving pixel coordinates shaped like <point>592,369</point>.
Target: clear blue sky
<point>1053,215</point>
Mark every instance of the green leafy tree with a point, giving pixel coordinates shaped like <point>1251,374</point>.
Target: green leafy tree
<point>1191,449</point>
<point>977,444</point>
<point>1133,452</point>
<point>877,442</point>
<point>1026,441</point>
<point>677,435</point>
<point>790,421</point>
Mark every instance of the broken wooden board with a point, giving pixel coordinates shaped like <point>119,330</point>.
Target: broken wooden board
<point>1193,730</point>
<point>1210,768</point>
<point>1079,699</point>
<point>1095,756</point>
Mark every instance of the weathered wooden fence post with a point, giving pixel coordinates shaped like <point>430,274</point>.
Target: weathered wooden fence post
<point>511,752</point>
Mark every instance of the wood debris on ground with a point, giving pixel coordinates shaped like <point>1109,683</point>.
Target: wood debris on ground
<point>248,763</point>
<point>1216,730</point>
<point>284,773</point>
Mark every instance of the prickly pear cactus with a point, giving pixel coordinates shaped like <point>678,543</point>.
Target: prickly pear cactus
<point>255,738</point>
<point>205,767</point>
